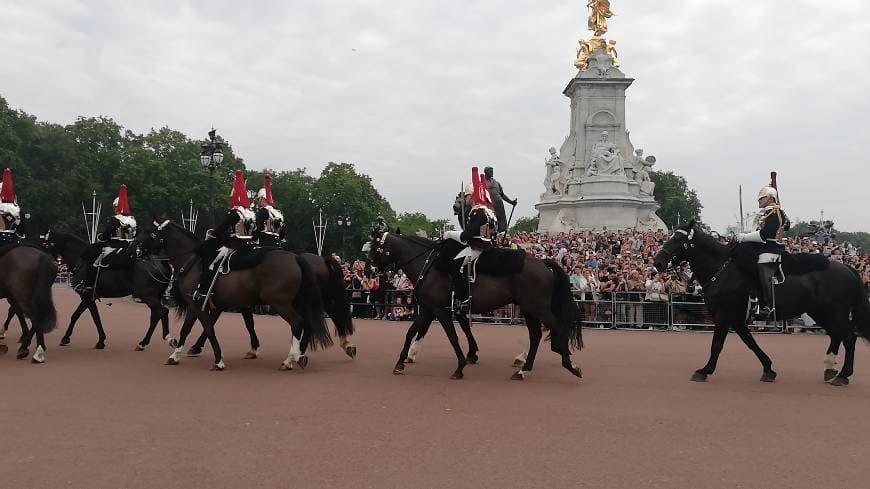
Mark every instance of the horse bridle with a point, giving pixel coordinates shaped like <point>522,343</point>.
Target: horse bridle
<point>687,245</point>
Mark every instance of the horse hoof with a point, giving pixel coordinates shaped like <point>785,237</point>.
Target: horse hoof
<point>840,381</point>
<point>218,367</point>
<point>699,377</point>
<point>4,349</point>
<point>518,376</point>
<point>350,351</point>
<point>284,366</point>
<point>64,341</point>
<point>457,376</point>
<point>100,346</point>
<point>139,347</point>
<point>399,370</point>
<point>577,372</point>
<point>250,355</point>
<point>830,373</point>
<point>22,354</point>
<point>37,361</point>
<point>171,361</point>
<point>518,363</point>
<point>194,352</point>
<point>471,359</point>
<point>768,376</point>
<point>302,362</point>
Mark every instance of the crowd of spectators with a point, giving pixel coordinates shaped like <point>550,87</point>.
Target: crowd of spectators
<point>601,266</point>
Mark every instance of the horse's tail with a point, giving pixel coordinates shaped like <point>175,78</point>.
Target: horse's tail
<point>312,307</point>
<point>178,299</point>
<point>860,308</point>
<point>564,306</point>
<point>335,298</point>
<point>44,316</point>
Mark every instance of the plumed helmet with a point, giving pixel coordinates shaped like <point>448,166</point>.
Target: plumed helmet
<point>469,189</point>
<point>261,194</point>
<point>121,204</point>
<point>7,188</point>
<point>767,191</point>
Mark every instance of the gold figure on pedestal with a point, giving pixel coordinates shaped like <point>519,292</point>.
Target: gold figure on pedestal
<point>598,18</point>
<point>600,12</point>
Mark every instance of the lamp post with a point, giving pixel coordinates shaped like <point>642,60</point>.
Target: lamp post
<point>211,157</point>
<point>343,223</point>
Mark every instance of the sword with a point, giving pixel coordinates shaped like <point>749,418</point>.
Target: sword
<point>462,205</point>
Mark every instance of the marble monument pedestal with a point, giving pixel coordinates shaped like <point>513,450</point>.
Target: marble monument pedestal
<point>595,203</point>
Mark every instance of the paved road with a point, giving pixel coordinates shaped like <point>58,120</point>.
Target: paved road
<point>121,419</point>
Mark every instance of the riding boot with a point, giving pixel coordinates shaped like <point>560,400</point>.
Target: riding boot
<point>766,273</point>
<point>461,298</point>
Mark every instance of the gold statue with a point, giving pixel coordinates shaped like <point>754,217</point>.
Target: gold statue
<point>598,18</point>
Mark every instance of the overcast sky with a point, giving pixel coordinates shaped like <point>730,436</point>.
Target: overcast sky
<point>416,92</point>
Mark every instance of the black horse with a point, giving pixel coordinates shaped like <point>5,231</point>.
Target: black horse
<point>832,294</point>
<point>542,291</point>
<point>14,311</point>
<point>147,278</point>
<point>27,276</point>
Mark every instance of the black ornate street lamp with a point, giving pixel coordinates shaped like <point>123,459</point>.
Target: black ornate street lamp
<point>343,223</point>
<point>211,157</point>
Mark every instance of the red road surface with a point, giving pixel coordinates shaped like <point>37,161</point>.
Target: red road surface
<point>121,419</point>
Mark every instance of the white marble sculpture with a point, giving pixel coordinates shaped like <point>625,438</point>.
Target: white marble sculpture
<point>554,181</point>
<point>606,158</point>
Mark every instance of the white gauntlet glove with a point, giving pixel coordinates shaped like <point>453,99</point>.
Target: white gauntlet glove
<point>454,235</point>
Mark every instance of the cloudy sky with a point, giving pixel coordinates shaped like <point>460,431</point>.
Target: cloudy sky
<point>416,92</point>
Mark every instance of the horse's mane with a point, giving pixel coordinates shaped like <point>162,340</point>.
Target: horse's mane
<point>184,231</point>
<point>68,237</point>
<point>428,243</point>
<point>709,243</point>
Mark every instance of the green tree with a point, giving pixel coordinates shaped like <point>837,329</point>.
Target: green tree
<point>342,192</point>
<point>672,192</point>
<point>527,224</point>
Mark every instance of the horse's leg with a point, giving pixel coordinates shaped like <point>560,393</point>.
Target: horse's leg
<point>248,317</point>
<point>424,319</point>
<point>446,319</point>
<point>535,334</point>
<point>218,364</point>
<point>842,378</point>
<point>767,375</point>
<point>39,354</point>
<point>83,305</point>
<point>24,345</point>
<point>720,332</point>
<point>295,356</point>
<point>164,323</point>
<point>196,349</point>
<point>101,335</point>
<point>831,370</point>
<point>465,324</point>
<point>156,314</point>
<point>189,318</point>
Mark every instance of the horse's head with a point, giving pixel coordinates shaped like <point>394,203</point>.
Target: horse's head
<point>378,252</point>
<point>677,249</point>
<point>149,237</point>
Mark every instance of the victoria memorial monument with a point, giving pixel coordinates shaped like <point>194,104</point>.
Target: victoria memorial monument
<point>598,179</point>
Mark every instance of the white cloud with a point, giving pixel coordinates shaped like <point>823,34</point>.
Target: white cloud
<point>415,93</point>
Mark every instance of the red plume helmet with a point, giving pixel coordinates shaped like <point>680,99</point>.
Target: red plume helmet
<point>122,204</point>
<point>7,193</point>
<point>268,186</point>
<point>481,196</point>
<point>239,197</point>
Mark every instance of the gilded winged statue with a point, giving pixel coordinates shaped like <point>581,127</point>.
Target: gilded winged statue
<point>599,15</point>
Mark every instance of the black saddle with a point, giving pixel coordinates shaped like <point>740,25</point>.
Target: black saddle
<point>247,258</point>
<point>745,256</point>
<point>497,261</point>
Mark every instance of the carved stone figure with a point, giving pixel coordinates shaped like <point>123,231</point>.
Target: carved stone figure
<point>647,186</point>
<point>554,179</point>
<point>606,158</point>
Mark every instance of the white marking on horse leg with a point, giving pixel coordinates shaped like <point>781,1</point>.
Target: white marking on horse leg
<point>416,346</point>
<point>167,338</point>
<point>220,365</point>
<point>342,342</point>
<point>39,355</point>
<point>176,354</point>
<point>294,354</point>
<point>830,361</point>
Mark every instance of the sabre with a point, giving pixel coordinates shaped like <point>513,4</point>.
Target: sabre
<point>462,205</point>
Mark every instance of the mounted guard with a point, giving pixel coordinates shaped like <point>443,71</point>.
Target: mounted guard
<point>234,234</point>
<point>771,224</point>
<point>478,235</point>
<point>10,213</point>
<point>269,229</point>
<point>112,242</point>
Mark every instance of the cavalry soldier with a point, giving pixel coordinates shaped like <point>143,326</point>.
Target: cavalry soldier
<point>496,193</point>
<point>380,226</point>
<point>771,223</point>
<point>269,230</point>
<point>116,235</point>
<point>233,234</point>
<point>479,234</point>
<point>10,214</point>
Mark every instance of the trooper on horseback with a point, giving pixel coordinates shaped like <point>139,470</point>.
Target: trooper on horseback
<point>233,234</point>
<point>116,236</point>
<point>771,223</point>
<point>269,229</point>
<point>478,235</point>
<point>10,213</point>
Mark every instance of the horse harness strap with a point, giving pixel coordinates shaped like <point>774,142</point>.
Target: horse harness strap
<point>426,266</point>
<point>715,277</point>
